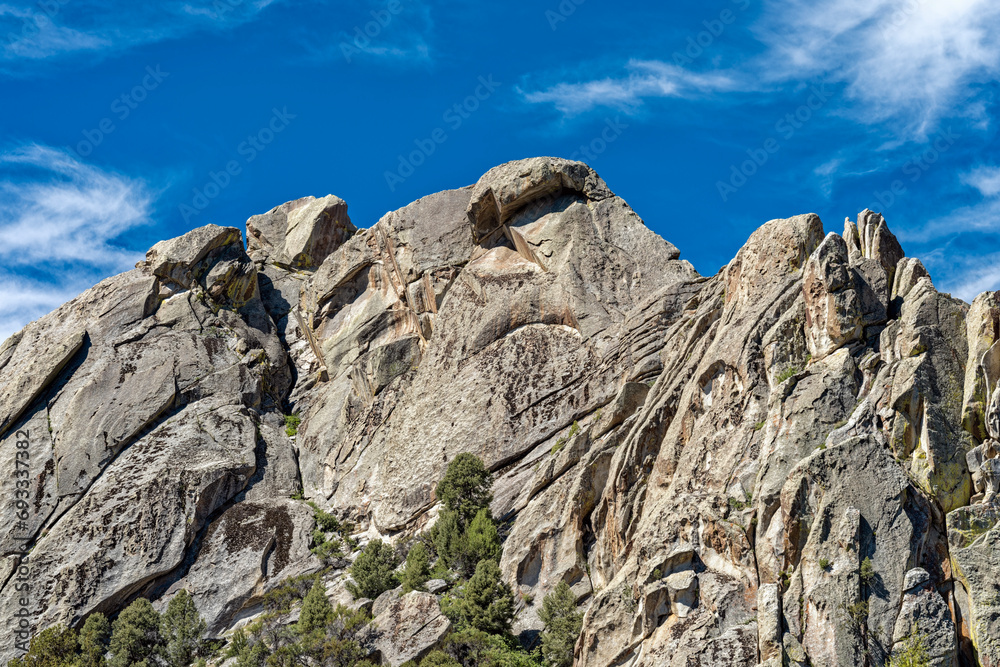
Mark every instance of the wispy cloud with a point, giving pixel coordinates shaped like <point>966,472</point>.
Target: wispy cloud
<point>54,29</point>
<point>959,243</point>
<point>913,61</point>
<point>29,34</point>
<point>642,80</point>
<point>963,274</point>
<point>22,301</point>
<point>982,217</point>
<point>61,223</point>
<point>396,33</point>
<point>982,276</point>
<point>985,179</point>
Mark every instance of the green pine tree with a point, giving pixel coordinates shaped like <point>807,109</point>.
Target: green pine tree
<point>484,603</point>
<point>317,611</point>
<point>337,644</point>
<point>465,488</point>
<point>183,629</point>
<point>482,538</point>
<point>135,636</point>
<point>248,652</point>
<point>374,571</point>
<point>439,659</point>
<point>52,647</point>
<point>94,640</point>
<point>417,570</point>
<point>449,539</point>
<point>913,652</point>
<point>469,646</point>
<point>562,626</point>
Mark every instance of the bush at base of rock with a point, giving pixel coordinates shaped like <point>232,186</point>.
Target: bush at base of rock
<point>466,487</point>
<point>94,638</point>
<point>316,609</point>
<point>330,537</point>
<point>53,647</point>
<point>182,630</point>
<point>913,653</point>
<point>562,626</point>
<point>465,532</point>
<point>324,635</point>
<point>474,648</point>
<point>135,636</point>
<point>291,590</point>
<point>139,636</point>
<point>417,570</point>
<point>435,659</point>
<point>449,541</point>
<point>484,603</point>
<point>374,571</point>
<point>482,538</point>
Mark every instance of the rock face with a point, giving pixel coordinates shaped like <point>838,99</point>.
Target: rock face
<point>408,628</point>
<point>144,404</point>
<point>925,614</point>
<point>793,462</point>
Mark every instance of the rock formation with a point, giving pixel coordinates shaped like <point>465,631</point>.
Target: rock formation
<point>795,461</point>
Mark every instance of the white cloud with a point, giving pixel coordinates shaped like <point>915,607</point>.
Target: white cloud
<point>60,225</point>
<point>22,301</point>
<point>32,35</point>
<point>983,217</point>
<point>909,60</point>
<point>962,239</point>
<point>963,275</point>
<point>984,179</point>
<point>61,28</point>
<point>644,79</point>
<point>398,36</point>
<point>983,276</point>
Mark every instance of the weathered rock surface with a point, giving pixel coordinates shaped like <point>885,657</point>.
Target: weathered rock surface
<point>408,628</point>
<point>793,462</point>
<point>301,233</point>
<point>925,614</point>
<point>147,430</point>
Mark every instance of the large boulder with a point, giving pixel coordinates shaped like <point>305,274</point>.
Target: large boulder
<point>833,306</point>
<point>407,629</point>
<point>300,234</point>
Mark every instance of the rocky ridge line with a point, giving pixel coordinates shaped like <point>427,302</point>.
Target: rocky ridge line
<point>791,462</point>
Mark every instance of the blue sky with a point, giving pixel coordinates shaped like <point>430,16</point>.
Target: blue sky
<point>125,123</point>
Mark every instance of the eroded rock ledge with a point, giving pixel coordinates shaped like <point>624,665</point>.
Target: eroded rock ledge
<point>793,462</point>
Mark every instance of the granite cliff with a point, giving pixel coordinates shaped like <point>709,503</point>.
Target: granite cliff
<point>792,462</point>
